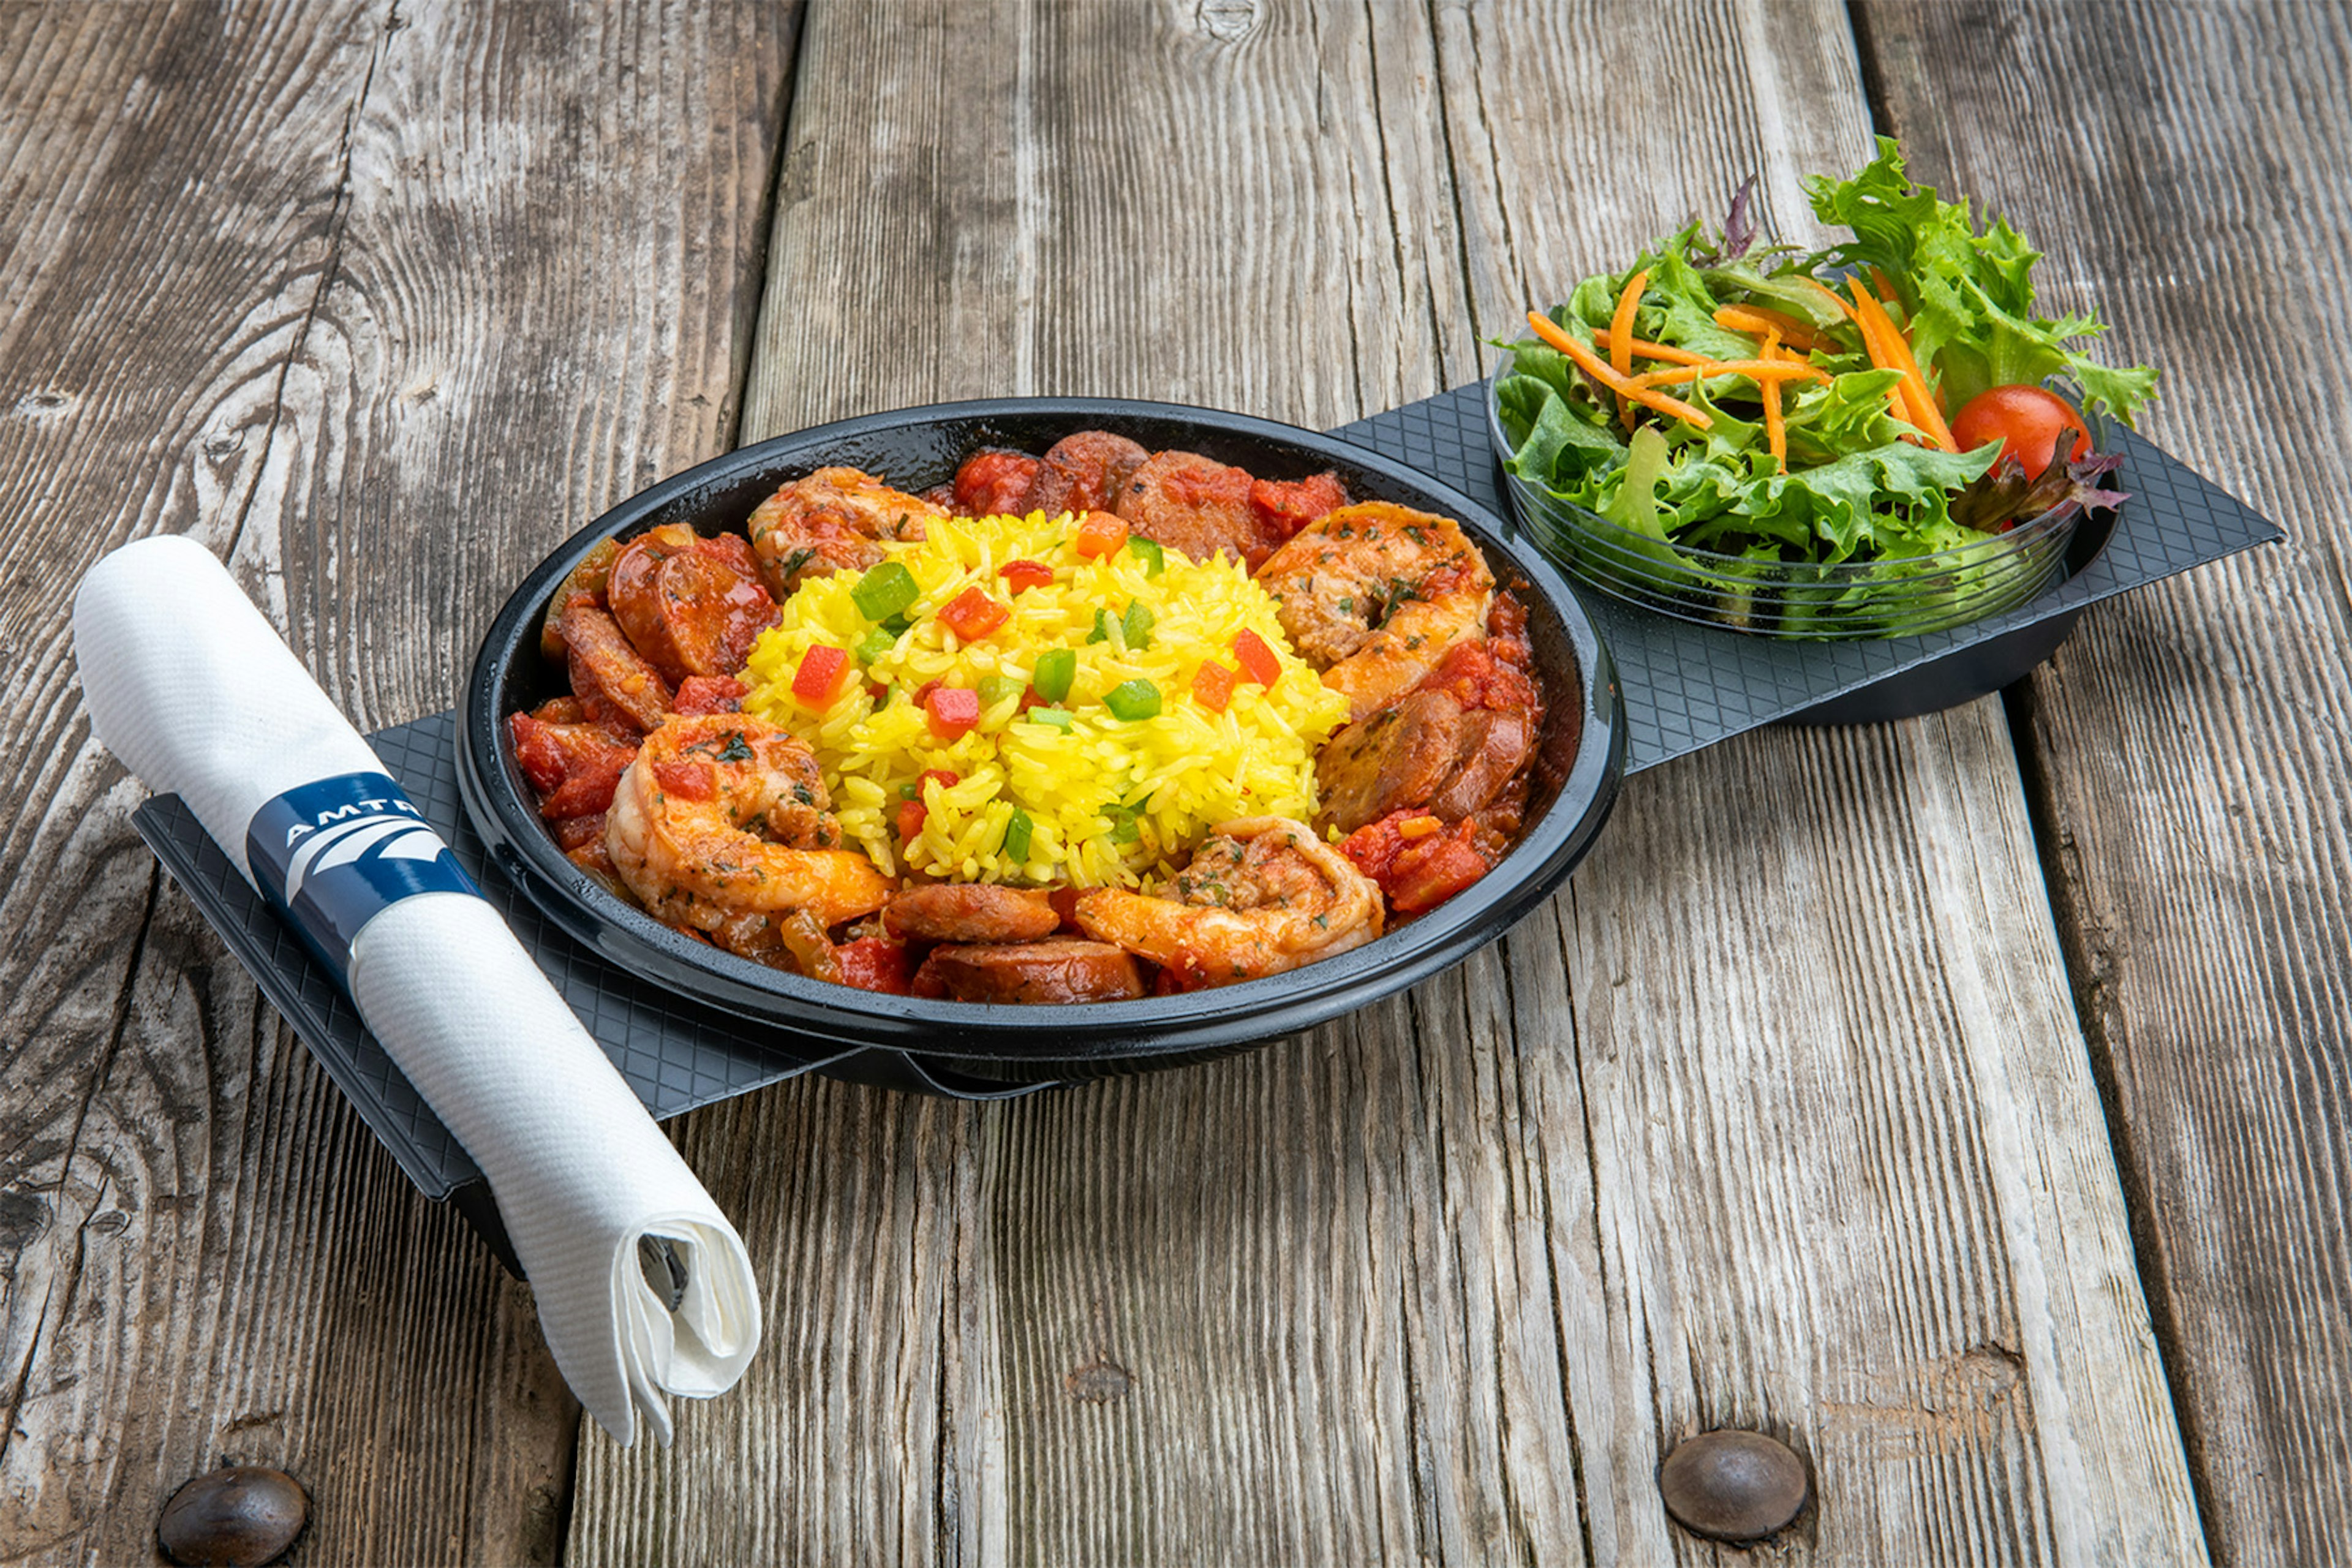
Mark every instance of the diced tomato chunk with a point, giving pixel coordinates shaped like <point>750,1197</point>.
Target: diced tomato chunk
<point>1416,868</point>
<point>575,832</point>
<point>698,694</point>
<point>973,615</point>
<point>818,681</point>
<point>686,780</point>
<point>991,483</point>
<point>1258,659</point>
<point>1213,687</point>
<point>874,963</point>
<point>574,767</point>
<point>1430,870</point>
<point>1284,506</point>
<point>954,709</point>
<point>1100,533</point>
<point>1020,574</point>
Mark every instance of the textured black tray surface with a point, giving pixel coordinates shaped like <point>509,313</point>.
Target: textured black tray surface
<point>1688,686</point>
<point>675,1055</point>
<point>1685,687</point>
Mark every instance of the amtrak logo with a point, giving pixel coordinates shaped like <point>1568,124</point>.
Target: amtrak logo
<point>333,855</point>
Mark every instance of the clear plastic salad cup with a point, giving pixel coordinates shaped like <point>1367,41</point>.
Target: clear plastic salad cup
<point>1883,596</point>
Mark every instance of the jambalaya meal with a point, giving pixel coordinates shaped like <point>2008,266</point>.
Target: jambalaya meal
<point>1080,727</point>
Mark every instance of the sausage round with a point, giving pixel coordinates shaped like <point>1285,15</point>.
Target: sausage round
<point>1063,969</point>
<point>970,912</point>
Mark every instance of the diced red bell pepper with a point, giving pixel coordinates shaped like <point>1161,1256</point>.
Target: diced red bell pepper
<point>1258,659</point>
<point>946,778</point>
<point>973,615</point>
<point>1020,574</point>
<point>1213,687</point>
<point>954,709</point>
<point>818,681</point>
<point>874,963</point>
<point>1100,533</point>
<point>910,818</point>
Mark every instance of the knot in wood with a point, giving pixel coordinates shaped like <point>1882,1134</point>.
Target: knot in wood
<point>1097,1381</point>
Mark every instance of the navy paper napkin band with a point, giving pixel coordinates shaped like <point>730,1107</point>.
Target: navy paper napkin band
<point>332,855</point>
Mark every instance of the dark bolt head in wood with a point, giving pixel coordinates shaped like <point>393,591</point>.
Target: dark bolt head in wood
<point>239,1518</point>
<point>1733,1486</point>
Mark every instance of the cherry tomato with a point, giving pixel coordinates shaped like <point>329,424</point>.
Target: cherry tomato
<point>2026,420</point>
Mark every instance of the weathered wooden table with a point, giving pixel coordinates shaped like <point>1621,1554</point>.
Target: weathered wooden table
<point>1963,1100</point>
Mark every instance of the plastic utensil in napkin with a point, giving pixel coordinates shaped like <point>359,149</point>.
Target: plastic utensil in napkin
<point>197,694</point>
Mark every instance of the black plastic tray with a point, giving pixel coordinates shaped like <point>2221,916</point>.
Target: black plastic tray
<point>1685,687</point>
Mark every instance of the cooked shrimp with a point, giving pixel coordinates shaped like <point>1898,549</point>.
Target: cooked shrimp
<point>685,831</point>
<point>1374,595</point>
<point>833,520</point>
<point>1263,895</point>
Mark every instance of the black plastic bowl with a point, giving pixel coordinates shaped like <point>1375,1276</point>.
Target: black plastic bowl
<point>1580,762</point>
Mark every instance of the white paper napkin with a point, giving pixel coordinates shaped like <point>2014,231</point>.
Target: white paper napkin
<point>194,690</point>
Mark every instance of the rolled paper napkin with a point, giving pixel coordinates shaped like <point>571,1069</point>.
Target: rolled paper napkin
<point>198,696</point>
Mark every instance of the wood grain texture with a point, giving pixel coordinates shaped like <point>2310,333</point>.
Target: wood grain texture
<point>359,296</point>
<point>2193,739</point>
<point>1780,1117</point>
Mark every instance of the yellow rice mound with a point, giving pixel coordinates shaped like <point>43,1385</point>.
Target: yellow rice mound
<point>1110,800</point>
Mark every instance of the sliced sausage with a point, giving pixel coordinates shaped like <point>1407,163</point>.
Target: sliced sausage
<point>1063,969</point>
<point>970,912</point>
<point>1189,502</point>
<point>612,680</point>
<point>1099,464</point>
<point>692,606</point>
<point>1398,757</point>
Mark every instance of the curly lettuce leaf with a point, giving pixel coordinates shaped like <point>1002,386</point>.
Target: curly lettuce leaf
<point>1968,296</point>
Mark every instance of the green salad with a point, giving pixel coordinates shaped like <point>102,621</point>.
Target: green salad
<point>1875,400</point>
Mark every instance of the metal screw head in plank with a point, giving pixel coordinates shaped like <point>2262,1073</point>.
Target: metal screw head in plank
<point>1733,1486</point>
<point>237,1518</point>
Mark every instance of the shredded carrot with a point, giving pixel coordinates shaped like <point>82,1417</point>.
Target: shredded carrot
<point>1759,370</point>
<point>1599,369</point>
<point>1645,348</point>
<point>1898,396</point>
<point>1898,357</point>
<point>1758,321</point>
<point>1776,424</point>
<point>1621,338</point>
<point>1885,288</point>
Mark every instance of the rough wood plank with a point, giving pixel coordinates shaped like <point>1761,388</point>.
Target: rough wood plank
<point>2192,739</point>
<point>381,302</point>
<point>1780,1117</point>
<point>1906,1253</point>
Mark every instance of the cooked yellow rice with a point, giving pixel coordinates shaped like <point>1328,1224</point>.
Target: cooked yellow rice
<point>1110,800</point>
